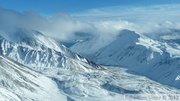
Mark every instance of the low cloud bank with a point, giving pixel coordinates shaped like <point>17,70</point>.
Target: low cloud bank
<point>103,22</point>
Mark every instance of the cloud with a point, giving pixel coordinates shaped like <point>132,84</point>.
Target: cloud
<point>135,14</point>
<point>99,22</point>
<point>63,26</point>
<point>152,20</point>
<point>59,26</point>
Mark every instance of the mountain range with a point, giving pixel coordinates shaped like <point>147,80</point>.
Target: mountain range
<point>34,67</point>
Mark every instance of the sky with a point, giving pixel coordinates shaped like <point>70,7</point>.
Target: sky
<point>74,6</point>
<point>61,19</point>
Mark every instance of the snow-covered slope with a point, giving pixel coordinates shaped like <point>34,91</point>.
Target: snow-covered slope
<point>19,83</point>
<point>156,59</point>
<point>91,45</point>
<point>36,50</point>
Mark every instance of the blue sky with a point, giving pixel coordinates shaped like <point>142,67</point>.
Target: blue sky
<point>74,6</point>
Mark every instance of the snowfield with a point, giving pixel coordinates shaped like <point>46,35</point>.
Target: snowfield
<point>20,83</point>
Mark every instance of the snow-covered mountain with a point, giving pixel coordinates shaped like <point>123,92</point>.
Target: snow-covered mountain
<point>158,60</point>
<point>91,45</point>
<point>19,83</point>
<point>155,57</point>
<point>32,48</point>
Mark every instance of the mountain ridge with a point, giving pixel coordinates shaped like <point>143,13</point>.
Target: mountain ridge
<point>142,54</point>
<point>35,52</point>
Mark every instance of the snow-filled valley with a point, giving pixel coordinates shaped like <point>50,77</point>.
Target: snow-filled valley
<point>21,83</point>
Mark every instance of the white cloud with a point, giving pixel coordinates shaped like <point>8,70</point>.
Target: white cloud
<point>138,14</point>
<point>59,26</point>
<point>103,22</point>
<point>154,20</point>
